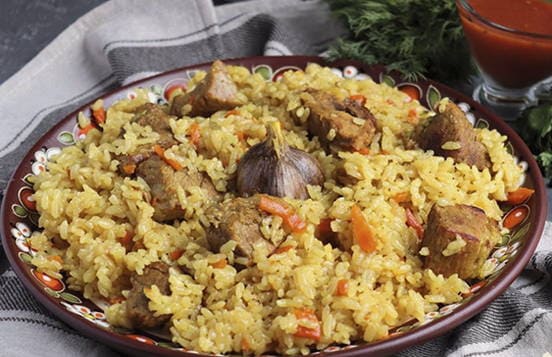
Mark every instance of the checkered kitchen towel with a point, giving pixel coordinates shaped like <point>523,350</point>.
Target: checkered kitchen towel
<point>124,40</point>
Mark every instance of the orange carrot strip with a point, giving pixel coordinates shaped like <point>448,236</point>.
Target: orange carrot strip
<point>364,151</point>
<point>175,254</point>
<point>305,332</point>
<point>519,196</point>
<point>362,234</point>
<point>159,150</point>
<point>56,258</point>
<point>401,197</point>
<point>310,333</point>
<point>412,116</point>
<point>305,313</point>
<point>241,135</point>
<point>129,168</point>
<point>220,264</point>
<point>231,112</point>
<point>86,129</point>
<point>283,249</point>
<point>194,134</point>
<point>245,344</point>
<point>342,287</point>
<point>358,98</point>
<point>280,208</point>
<point>161,153</point>
<point>412,222</point>
<point>99,115</point>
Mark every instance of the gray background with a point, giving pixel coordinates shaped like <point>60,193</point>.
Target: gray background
<point>27,26</point>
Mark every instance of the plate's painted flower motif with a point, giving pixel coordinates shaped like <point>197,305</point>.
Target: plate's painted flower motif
<point>96,317</point>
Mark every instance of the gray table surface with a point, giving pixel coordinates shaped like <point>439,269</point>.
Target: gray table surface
<point>27,26</point>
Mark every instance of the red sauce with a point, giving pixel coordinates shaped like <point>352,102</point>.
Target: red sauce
<point>511,60</point>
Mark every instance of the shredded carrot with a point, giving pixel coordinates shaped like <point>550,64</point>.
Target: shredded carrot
<point>280,208</point>
<point>412,116</point>
<point>116,300</point>
<point>359,98</point>
<point>159,150</point>
<point>194,134</point>
<point>241,135</point>
<point>362,234</point>
<point>126,239</point>
<point>99,115</point>
<point>412,222</point>
<point>384,152</point>
<point>401,197</point>
<point>219,264</point>
<point>56,258</point>
<point>231,112</point>
<point>161,153</point>
<point>519,196</point>
<point>153,201</point>
<point>342,287</point>
<point>175,254</point>
<point>364,151</point>
<point>305,332</point>
<point>305,313</point>
<point>86,129</point>
<point>283,249</point>
<point>129,168</point>
<point>245,344</point>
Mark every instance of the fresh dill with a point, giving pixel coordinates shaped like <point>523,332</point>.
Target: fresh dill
<point>419,38</point>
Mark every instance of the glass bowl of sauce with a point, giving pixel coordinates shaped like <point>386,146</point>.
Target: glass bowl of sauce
<point>511,45</point>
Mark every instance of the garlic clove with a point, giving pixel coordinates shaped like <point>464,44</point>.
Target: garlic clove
<point>274,168</point>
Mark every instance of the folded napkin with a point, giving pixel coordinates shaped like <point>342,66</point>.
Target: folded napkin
<point>125,40</point>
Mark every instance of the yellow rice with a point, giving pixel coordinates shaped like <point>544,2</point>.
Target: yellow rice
<point>83,200</point>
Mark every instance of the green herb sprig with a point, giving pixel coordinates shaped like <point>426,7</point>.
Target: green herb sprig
<point>419,38</point>
<point>535,127</point>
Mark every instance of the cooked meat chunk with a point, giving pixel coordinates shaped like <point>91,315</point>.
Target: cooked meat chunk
<point>137,309</point>
<point>129,163</point>
<point>451,126</point>
<point>237,219</point>
<point>215,92</point>
<point>446,228</point>
<point>346,124</point>
<point>163,181</point>
<point>155,116</point>
<point>152,115</point>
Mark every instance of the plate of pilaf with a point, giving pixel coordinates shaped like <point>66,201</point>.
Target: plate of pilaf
<point>273,206</point>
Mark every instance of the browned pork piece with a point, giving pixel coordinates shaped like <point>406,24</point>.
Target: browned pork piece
<point>450,134</point>
<point>347,124</point>
<point>459,239</point>
<point>163,181</point>
<point>137,309</point>
<point>237,219</point>
<point>154,116</point>
<point>215,92</point>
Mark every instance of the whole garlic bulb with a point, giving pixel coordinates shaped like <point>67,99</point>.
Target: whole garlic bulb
<point>275,168</point>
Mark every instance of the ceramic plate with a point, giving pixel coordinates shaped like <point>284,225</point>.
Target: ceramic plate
<point>19,216</point>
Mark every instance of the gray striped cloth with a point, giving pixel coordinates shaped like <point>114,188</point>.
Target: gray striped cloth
<point>125,40</point>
